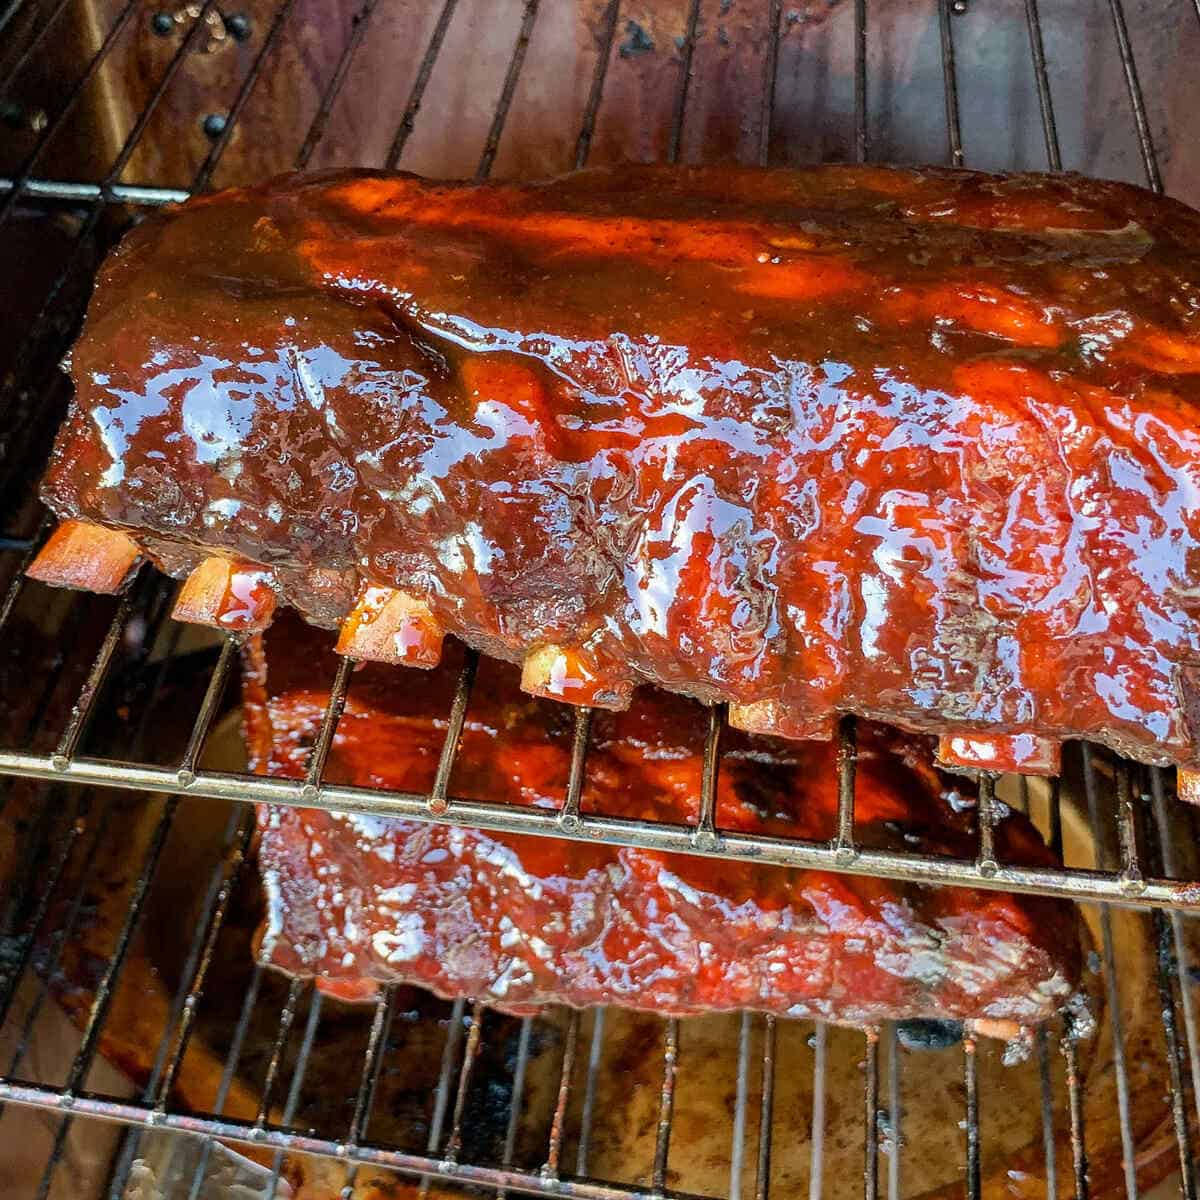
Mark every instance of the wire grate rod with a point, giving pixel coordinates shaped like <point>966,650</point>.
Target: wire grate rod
<point>465,1071</point>
<point>847,764</point>
<point>1137,100</point>
<point>359,24</point>
<point>861,136</point>
<point>516,1103</point>
<point>204,175</point>
<point>218,680</point>
<point>293,1097</point>
<point>408,120</point>
<point>569,817</point>
<point>314,771</point>
<point>583,144</point>
<point>895,1113</point>
<point>950,82</point>
<point>816,1176</point>
<point>1090,884</point>
<point>441,1096</point>
<point>1111,986</point>
<point>1079,1158</point>
<point>85,706</point>
<point>372,1068</point>
<point>566,1078</point>
<point>1166,851</point>
<point>47,25</point>
<point>178,1028</point>
<point>438,801</point>
<point>589,1092</point>
<point>766,1113</point>
<point>232,1058</point>
<point>1041,77</point>
<point>871,1114</point>
<point>706,837</point>
<point>666,1105</point>
<point>741,1102</point>
<point>1049,1150</point>
<point>971,1088</point>
<point>500,116</point>
<point>58,121</point>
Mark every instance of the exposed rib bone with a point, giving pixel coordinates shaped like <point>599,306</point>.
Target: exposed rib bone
<point>234,596</point>
<point>389,626</point>
<point>769,716</point>
<point>569,674</point>
<point>87,557</point>
<point>1021,752</point>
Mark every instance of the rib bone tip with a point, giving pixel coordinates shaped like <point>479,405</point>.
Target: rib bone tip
<point>393,627</point>
<point>236,597</point>
<point>772,717</point>
<point>569,674</point>
<point>1022,753</point>
<point>1001,1030</point>
<point>1187,785</point>
<point>86,557</point>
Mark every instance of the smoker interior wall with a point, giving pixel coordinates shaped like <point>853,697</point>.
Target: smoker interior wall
<point>814,92</point>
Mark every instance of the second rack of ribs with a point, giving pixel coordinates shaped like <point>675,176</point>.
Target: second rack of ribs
<point>521,921</point>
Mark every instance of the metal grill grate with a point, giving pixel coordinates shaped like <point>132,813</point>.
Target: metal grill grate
<point>1141,837</point>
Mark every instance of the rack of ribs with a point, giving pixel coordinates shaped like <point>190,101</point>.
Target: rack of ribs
<point>520,921</point>
<point>919,445</point>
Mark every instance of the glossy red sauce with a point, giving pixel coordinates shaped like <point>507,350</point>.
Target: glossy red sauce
<point>921,445</point>
<point>247,599</point>
<point>524,921</point>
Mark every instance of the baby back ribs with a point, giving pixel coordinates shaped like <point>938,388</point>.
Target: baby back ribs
<point>920,445</point>
<point>521,921</point>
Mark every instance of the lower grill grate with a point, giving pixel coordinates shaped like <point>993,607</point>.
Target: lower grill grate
<point>758,82</point>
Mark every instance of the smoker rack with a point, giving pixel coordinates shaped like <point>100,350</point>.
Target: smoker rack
<point>1140,861</point>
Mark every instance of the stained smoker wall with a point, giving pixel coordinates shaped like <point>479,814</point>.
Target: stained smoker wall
<point>814,110</point>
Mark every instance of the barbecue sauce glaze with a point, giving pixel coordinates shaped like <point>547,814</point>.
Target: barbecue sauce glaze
<point>916,444</point>
<point>521,921</point>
